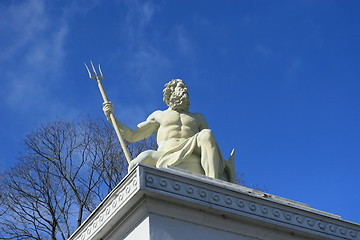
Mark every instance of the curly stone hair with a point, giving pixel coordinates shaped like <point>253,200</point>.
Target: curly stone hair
<point>169,89</point>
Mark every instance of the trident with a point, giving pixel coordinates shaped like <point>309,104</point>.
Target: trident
<point>113,120</point>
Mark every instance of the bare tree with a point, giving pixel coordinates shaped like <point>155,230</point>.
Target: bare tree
<point>65,171</point>
<point>31,202</point>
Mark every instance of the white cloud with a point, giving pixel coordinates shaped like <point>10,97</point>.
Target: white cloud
<point>33,53</point>
<point>19,25</point>
<point>147,61</point>
<point>147,10</point>
<point>138,18</point>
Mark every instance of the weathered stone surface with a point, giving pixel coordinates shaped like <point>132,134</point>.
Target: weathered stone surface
<point>153,203</point>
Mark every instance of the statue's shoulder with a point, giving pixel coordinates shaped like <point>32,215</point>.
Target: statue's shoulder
<point>198,116</point>
<point>155,115</point>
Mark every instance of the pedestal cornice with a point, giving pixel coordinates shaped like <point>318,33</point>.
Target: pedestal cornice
<point>211,195</point>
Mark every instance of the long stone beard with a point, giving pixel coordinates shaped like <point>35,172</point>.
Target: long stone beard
<point>180,102</point>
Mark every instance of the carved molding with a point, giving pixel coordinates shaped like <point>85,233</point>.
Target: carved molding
<point>109,207</point>
<point>240,203</point>
<point>209,193</point>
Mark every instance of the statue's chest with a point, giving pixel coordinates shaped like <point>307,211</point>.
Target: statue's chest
<point>181,120</point>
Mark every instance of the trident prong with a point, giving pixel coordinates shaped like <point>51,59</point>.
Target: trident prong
<point>90,76</point>
<point>94,76</point>
<point>101,75</point>
<point>93,68</point>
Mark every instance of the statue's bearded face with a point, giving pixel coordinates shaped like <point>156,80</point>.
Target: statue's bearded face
<point>176,95</point>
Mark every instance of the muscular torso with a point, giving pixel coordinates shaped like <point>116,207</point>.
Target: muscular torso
<point>175,126</point>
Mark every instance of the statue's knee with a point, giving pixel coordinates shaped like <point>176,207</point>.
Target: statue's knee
<point>206,135</point>
<point>147,157</point>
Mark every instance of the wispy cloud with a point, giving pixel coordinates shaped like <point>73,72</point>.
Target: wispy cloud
<point>33,53</point>
<point>184,43</point>
<point>147,60</point>
<point>139,15</point>
<point>20,24</point>
<point>147,63</point>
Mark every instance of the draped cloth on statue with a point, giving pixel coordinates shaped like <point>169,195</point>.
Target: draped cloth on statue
<point>184,151</point>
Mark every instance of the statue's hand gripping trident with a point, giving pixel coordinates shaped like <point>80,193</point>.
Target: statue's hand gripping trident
<point>112,117</point>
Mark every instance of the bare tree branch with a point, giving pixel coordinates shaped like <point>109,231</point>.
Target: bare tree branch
<point>64,172</point>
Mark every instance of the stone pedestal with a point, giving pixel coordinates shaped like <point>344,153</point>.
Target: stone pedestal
<point>152,203</point>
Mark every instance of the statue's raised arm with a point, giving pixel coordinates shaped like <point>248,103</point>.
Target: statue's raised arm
<point>143,130</point>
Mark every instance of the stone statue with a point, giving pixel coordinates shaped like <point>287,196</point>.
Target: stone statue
<point>184,139</point>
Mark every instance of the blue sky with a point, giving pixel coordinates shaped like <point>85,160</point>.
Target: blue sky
<point>276,80</point>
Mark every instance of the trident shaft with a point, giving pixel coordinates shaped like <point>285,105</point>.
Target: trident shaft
<point>112,117</point>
